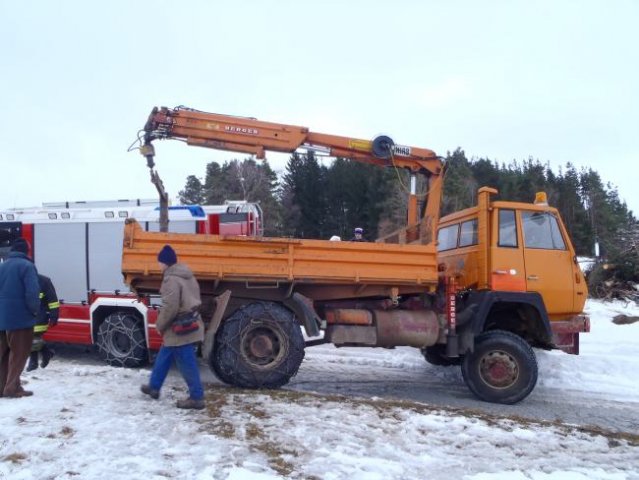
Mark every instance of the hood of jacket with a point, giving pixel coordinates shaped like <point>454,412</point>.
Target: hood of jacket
<point>19,255</point>
<point>178,270</point>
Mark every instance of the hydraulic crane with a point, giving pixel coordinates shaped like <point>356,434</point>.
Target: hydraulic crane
<point>255,137</point>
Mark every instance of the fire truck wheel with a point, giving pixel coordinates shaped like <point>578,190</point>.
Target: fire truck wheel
<point>501,369</point>
<point>436,355</point>
<point>259,346</point>
<point>121,341</point>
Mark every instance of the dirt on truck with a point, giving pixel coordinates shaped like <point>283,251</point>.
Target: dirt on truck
<point>479,288</point>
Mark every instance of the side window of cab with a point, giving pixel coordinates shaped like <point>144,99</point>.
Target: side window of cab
<point>507,229</point>
<point>468,233</point>
<point>447,237</point>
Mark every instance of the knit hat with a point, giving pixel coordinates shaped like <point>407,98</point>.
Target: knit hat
<point>167,256</point>
<point>359,230</point>
<point>20,245</point>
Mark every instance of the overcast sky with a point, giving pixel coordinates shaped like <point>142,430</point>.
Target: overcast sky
<point>552,80</point>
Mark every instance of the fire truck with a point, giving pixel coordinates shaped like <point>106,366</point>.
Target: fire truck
<point>79,246</point>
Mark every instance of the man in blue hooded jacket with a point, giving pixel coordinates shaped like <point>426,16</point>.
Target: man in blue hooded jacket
<point>19,306</point>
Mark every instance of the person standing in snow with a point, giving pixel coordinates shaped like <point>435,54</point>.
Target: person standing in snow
<point>19,307</point>
<point>180,299</point>
<point>48,317</point>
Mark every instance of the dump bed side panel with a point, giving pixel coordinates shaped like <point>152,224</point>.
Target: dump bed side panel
<point>248,259</point>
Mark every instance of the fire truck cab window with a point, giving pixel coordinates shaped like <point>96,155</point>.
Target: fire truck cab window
<point>123,214</point>
<point>468,233</point>
<point>8,233</point>
<point>109,214</point>
<point>53,216</point>
<point>541,230</point>
<point>65,215</point>
<point>447,237</point>
<point>507,228</point>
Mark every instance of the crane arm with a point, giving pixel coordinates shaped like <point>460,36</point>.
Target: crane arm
<point>255,137</point>
<point>248,135</point>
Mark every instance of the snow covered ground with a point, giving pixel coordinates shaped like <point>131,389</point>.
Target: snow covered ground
<point>89,421</point>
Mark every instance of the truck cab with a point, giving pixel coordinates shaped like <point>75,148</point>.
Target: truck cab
<point>520,256</point>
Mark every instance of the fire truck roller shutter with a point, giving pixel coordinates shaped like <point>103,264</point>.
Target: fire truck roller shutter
<point>105,257</point>
<point>60,252</point>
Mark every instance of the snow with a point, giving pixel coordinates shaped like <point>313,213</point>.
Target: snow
<point>88,421</point>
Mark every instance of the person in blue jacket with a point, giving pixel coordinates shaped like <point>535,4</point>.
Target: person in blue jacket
<point>19,307</point>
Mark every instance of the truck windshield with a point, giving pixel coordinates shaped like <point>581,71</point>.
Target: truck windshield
<point>541,230</point>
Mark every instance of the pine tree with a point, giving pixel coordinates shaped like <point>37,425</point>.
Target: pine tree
<point>193,193</point>
<point>214,193</point>
<point>357,195</point>
<point>460,187</point>
<point>304,198</point>
<point>571,208</point>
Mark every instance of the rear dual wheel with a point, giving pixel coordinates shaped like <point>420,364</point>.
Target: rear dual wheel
<point>259,346</point>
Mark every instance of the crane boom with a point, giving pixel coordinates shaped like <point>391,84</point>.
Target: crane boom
<point>255,137</point>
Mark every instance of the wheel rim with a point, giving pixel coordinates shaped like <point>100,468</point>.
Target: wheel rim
<point>262,345</point>
<point>121,342</point>
<point>499,369</point>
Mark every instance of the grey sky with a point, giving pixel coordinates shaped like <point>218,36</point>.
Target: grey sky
<point>552,80</point>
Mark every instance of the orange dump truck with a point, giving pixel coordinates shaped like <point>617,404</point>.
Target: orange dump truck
<point>478,288</point>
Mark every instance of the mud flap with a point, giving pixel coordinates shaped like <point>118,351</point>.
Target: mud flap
<point>303,309</point>
<point>221,302</point>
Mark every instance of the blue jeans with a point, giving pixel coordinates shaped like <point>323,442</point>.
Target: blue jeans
<point>186,362</point>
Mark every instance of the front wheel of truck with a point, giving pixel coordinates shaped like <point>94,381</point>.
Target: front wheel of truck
<point>501,369</point>
<point>259,346</point>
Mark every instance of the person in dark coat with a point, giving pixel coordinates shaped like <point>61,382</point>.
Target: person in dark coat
<point>180,296</point>
<point>48,317</point>
<point>19,307</point>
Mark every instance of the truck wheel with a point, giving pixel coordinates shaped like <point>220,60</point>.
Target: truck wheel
<point>216,368</point>
<point>121,340</point>
<point>501,369</point>
<point>259,346</point>
<point>436,355</point>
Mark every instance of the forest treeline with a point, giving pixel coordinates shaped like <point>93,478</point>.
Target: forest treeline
<point>314,200</point>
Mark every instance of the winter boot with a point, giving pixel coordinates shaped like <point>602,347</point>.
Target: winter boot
<point>190,403</point>
<point>147,390</point>
<point>33,361</point>
<point>47,354</point>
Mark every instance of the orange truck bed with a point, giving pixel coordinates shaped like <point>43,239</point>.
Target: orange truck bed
<point>363,269</point>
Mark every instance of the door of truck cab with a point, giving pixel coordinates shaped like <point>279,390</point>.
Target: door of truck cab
<point>548,260</point>
<point>507,270</point>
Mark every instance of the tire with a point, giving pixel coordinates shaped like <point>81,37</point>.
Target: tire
<point>121,341</point>
<point>501,369</point>
<point>225,376</point>
<point>259,346</point>
<point>436,355</point>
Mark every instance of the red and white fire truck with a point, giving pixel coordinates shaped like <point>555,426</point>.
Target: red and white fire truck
<point>79,246</point>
